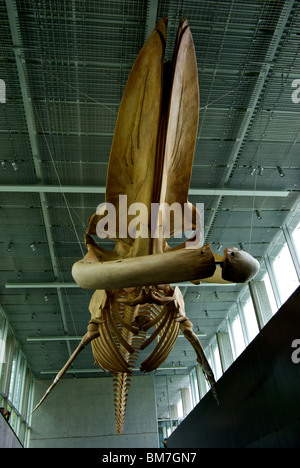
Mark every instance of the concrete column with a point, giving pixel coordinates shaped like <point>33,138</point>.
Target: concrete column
<point>261,302</point>
<point>186,401</point>
<point>292,248</point>
<point>273,281</point>
<point>174,412</point>
<point>225,350</point>
<point>201,382</point>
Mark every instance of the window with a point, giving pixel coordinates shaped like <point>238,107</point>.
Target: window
<point>216,359</point>
<point>270,293</point>
<point>6,361</point>
<point>16,382</point>
<point>13,376</point>
<point>251,320</point>
<point>245,317</point>
<point>2,327</point>
<point>17,398</point>
<point>202,382</point>
<point>2,351</point>
<point>296,238</point>
<point>224,346</point>
<point>194,387</point>
<point>238,337</point>
<point>285,273</point>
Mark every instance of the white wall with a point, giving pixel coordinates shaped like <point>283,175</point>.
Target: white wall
<point>79,413</point>
<point>8,438</point>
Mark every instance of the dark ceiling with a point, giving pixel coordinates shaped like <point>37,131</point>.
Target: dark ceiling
<point>65,64</point>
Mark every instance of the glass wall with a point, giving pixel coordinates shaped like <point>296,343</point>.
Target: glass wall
<point>215,359</point>
<point>16,383</point>
<point>296,238</point>
<point>236,332</point>
<point>248,317</point>
<point>194,387</point>
<point>270,293</point>
<point>285,273</point>
<point>256,305</point>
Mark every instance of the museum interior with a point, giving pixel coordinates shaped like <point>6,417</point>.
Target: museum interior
<point>64,65</point>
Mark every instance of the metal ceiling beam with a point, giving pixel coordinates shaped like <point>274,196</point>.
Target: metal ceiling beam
<point>54,285</point>
<point>58,285</point>
<point>14,24</point>
<point>42,189</point>
<point>98,370</point>
<point>32,339</point>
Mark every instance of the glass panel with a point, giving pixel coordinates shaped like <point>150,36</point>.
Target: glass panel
<point>9,346</point>
<point>209,358</point>
<point>21,431</point>
<point>2,323</point>
<point>270,293</point>
<point>238,336</point>
<point>217,361</point>
<point>18,385</point>
<point>25,393</point>
<point>194,387</point>
<point>225,346</point>
<point>2,352</point>
<point>13,420</point>
<point>15,380</point>
<point>13,375</point>
<point>296,238</point>
<point>251,320</point>
<point>202,382</point>
<point>2,345</point>
<point>26,437</point>
<point>29,405</point>
<point>285,273</point>
<point>165,430</point>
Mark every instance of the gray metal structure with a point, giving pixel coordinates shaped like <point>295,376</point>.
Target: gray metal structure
<point>65,64</point>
